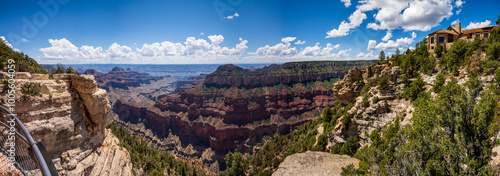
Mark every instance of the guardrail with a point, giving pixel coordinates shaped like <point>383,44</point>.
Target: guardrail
<point>19,153</point>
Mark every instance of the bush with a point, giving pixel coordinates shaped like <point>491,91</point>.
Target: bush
<point>439,51</point>
<point>30,88</point>
<point>70,70</point>
<point>413,90</point>
<point>365,102</point>
<point>493,51</point>
<point>383,83</point>
<point>350,146</point>
<point>439,82</point>
<point>375,100</point>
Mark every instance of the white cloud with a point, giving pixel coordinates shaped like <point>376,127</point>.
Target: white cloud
<point>455,22</point>
<point>391,44</point>
<point>318,51</point>
<point>416,14</point>
<point>366,56</point>
<point>5,41</point>
<point>230,17</point>
<point>355,20</point>
<point>288,39</point>
<point>202,33</point>
<point>299,42</point>
<point>387,36</point>
<point>119,51</point>
<point>90,52</point>
<point>196,46</point>
<point>278,49</point>
<point>60,49</point>
<point>410,15</point>
<point>194,49</point>
<point>347,3</point>
<point>478,24</point>
<point>24,40</point>
<point>458,11</point>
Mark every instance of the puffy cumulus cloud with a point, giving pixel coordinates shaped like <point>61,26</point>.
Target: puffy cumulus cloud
<point>230,17</point>
<point>278,49</point>
<point>299,42</point>
<point>366,56</point>
<point>157,52</point>
<point>355,20</point>
<point>216,40</point>
<point>391,44</point>
<point>239,49</point>
<point>91,52</point>
<point>318,51</point>
<point>347,3</point>
<point>478,24</point>
<point>416,14</point>
<point>387,36</point>
<point>60,49</point>
<point>410,15</point>
<point>5,41</point>
<point>288,39</point>
<point>196,46</point>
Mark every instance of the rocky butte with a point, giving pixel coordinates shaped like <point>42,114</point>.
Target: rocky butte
<point>69,117</point>
<point>234,109</point>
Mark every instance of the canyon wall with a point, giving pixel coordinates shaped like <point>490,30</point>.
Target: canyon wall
<point>69,117</point>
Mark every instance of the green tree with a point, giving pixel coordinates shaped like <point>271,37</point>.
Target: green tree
<point>381,56</point>
<point>439,51</point>
<point>498,21</point>
<point>236,164</point>
<point>70,70</point>
<point>350,146</point>
<point>59,69</point>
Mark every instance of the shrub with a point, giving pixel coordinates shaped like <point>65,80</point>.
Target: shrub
<point>439,82</point>
<point>439,51</point>
<point>413,90</point>
<point>70,70</point>
<point>30,88</point>
<point>383,83</point>
<point>375,100</point>
<point>350,146</point>
<point>365,102</point>
<point>493,51</point>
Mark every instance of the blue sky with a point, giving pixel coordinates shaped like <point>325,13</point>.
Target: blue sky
<point>227,31</point>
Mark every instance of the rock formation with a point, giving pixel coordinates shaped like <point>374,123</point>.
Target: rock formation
<point>69,117</point>
<point>132,85</point>
<point>314,163</point>
<point>235,108</point>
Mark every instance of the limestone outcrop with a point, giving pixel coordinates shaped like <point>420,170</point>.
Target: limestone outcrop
<point>69,117</point>
<point>314,163</point>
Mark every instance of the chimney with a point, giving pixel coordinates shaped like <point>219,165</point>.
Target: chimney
<point>458,27</point>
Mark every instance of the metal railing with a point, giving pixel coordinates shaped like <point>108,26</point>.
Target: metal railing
<point>19,153</point>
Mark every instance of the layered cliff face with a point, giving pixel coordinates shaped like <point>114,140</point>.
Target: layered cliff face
<point>236,111</point>
<point>69,117</point>
<point>288,73</point>
<point>191,82</point>
<point>132,85</point>
<point>369,112</point>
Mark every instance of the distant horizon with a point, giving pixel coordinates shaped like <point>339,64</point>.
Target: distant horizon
<point>210,63</point>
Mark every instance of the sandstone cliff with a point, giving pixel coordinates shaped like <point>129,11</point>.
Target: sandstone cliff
<point>69,117</point>
<point>237,110</point>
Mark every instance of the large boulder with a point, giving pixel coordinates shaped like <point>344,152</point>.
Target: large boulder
<point>314,164</point>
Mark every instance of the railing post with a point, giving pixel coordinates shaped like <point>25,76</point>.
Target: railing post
<point>38,155</point>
